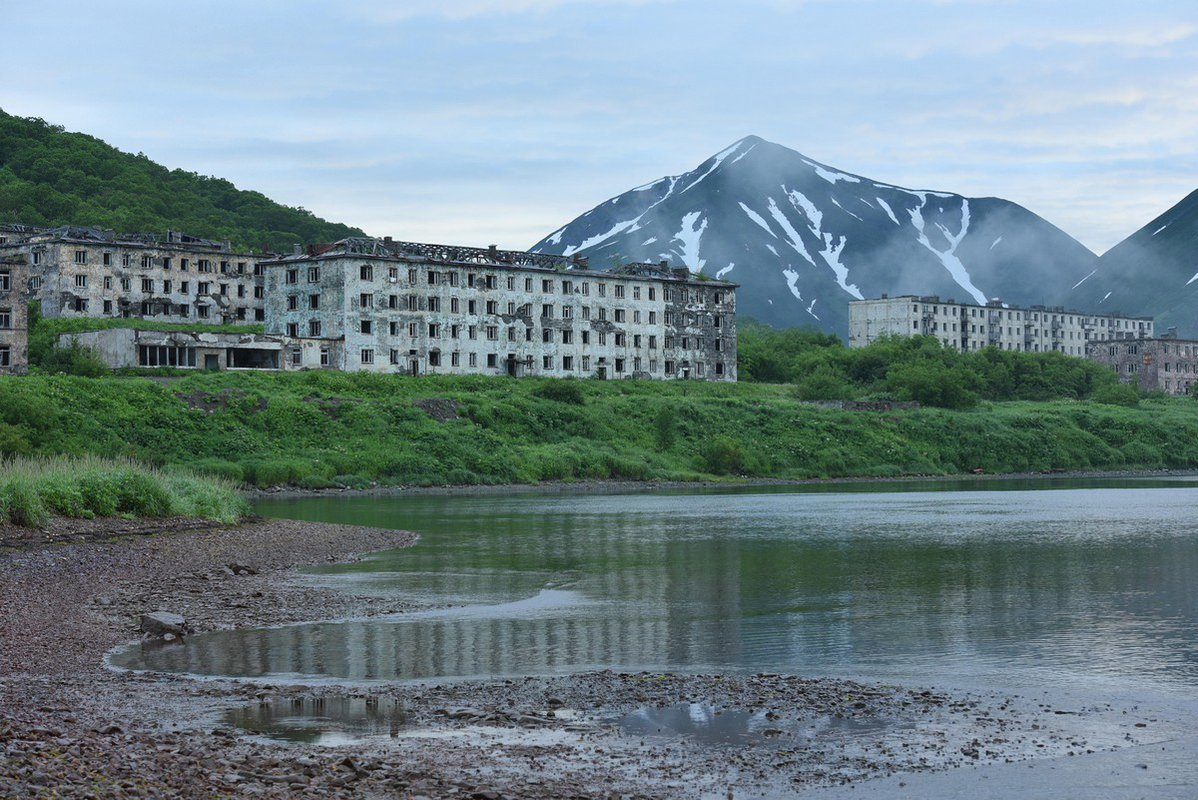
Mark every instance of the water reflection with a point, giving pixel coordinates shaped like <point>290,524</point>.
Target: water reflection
<point>1006,588</point>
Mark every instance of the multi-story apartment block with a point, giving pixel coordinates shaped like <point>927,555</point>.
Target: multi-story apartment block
<point>968,327</point>
<point>14,322</point>
<point>1168,363</point>
<point>87,272</point>
<point>386,306</point>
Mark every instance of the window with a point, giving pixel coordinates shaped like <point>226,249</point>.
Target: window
<point>492,360</point>
<point>546,286</point>
<point>366,326</point>
<point>202,311</point>
<point>491,282</point>
<point>80,281</point>
<point>366,273</point>
<point>434,358</point>
<point>586,337</point>
<point>147,284</point>
<point>652,294</point>
<point>455,305</point>
<point>412,275</point>
<point>313,274</point>
<point>567,336</point>
<point>455,359</point>
<point>292,276</point>
<point>547,362</point>
<point>471,307</point>
<point>492,307</point>
<point>367,356</point>
<point>37,257</point>
<point>324,356</point>
<point>619,315</point>
<point>314,327</point>
<point>292,301</point>
<point>204,265</point>
<point>619,365</point>
<point>5,281</point>
<point>547,336</point>
<point>434,330</point>
<point>619,294</point>
<point>434,304</point>
<point>5,318</point>
<point>473,359</point>
<point>636,293</point>
<point>493,332</point>
<point>108,283</point>
<point>224,290</point>
<point>567,362</point>
<point>365,300</point>
<point>603,290</point>
<point>297,357</point>
<point>412,330</point>
<point>567,312</point>
<point>547,311</point>
<point>528,284</point>
<point>5,356</point>
<point>259,291</point>
<point>586,363</point>
<point>293,330</point>
<point>393,328</point>
<point>393,356</point>
<point>106,259</point>
<point>80,256</point>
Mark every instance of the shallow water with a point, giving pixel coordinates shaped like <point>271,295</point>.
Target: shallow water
<point>1074,585</point>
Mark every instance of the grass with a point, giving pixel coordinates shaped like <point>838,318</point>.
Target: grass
<point>34,489</point>
<point>316,429</point>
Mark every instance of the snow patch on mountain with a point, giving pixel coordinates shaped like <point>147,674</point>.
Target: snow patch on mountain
<point>1191,280</point>
<point>948,257</point>
<point>792,282</point>
<point>833,246</point>
<point>720,275</point>
<point>753,215</point>
<point>1083,280</point>
<point>994,244</point>
<point>689,235</point>
<point>836,203</point>
<point>619,227</point>
<point>770,247</point>
<point>719,159</point>
<point>649,241</point>
<point>831,176</point>
<point>796,241</point>
<point>811,306</point>
<point>556,237</point>
<point>889,212</point>
<point>1161,228</point>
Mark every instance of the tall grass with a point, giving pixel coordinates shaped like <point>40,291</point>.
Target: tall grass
<point>34,489</point>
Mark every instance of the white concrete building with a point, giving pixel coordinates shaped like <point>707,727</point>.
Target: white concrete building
<point>969,327</point>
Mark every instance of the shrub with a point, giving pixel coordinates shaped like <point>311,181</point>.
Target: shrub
<point>1117,394</point>
<point>564,390</point>
<point>724,456</point>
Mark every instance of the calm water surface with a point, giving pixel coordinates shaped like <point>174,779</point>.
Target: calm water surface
<point>1064,584</point>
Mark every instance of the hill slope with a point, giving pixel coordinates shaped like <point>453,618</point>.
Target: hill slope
<point>803,238</point>
<point>1152,272</point>
<point>51,177</point>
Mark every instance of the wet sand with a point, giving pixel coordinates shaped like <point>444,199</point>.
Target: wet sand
<point>72,727</point>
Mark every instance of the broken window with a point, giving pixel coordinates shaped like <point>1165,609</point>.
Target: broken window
<point>366,326</point>
<point>5,356</point>
<point>313,274</point>
<point>292,301</point>
<point>314,328</point>
<point>5,318</point>
<point>366,273</point>
<point>147,285</point>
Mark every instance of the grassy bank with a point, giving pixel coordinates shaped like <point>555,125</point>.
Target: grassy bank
<point>320,429</point>
<point>33,489</point>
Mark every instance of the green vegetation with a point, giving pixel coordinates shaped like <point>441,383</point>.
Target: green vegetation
<point>47,355</point>
<point>318,429</point>
<point>33,489</point>
<point>51,177</point>
<point>914,368</point>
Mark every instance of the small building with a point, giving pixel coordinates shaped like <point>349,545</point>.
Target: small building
<point>88,272</point>
<point>121,348</point>
<point>440,309</point>
<point>14,317</point>
<point>1166,364</point>
<point>968,326</point>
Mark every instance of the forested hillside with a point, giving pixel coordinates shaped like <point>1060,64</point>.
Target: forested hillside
<point>51,177</point>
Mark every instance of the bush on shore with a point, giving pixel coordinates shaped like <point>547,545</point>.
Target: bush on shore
<point>34,489</point>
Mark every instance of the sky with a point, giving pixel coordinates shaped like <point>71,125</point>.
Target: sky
<point>483,122</point>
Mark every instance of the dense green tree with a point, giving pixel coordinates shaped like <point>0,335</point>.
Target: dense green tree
<point>51,177</point>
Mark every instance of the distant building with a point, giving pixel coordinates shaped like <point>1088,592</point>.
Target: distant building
<point>88,272</point>
<point>14,320</point>
<point>1168,363</point>
<point>385,306</point>
<point>967,327</point>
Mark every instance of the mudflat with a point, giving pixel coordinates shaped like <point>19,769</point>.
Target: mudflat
<point>73,727</point>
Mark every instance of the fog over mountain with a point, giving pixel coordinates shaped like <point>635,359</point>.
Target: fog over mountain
<point>1153,272</point>
<point>803,238</point>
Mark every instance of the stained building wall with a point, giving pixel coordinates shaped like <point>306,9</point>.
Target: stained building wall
<point>14,319</point>
<point>969,327</point>
<point>1167,364</point>
<point>88,273</point>
<point>402,312</point>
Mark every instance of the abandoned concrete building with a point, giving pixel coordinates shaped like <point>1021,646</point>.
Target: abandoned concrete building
<point>1167,364</point>
<point>88,272</point>
<point>386,306</point>
<point>14,321</point>
<point>968,327</point>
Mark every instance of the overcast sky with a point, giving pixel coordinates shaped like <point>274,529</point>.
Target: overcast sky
<point>497,121</point>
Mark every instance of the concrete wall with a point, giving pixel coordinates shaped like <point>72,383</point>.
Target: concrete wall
<point>125,347</point>
<point>164,282</point>
<point>397,314</point>
<point>1167,364</point>
<point>14,320</point>
<point>969,327</point>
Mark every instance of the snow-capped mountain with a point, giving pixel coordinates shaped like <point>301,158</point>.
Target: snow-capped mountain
<point>803,238</point>
<point>1153,272</point>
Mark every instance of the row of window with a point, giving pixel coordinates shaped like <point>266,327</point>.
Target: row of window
<point>366,272</point>
<point>1034,316</point>
<point>165,262</point>
<point>548,363</point>
<point>155,308</point>
<point>148,286</point>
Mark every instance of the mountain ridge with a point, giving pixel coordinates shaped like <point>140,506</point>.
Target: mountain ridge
<point>803,237</point>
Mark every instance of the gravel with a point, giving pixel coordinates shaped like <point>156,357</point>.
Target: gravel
<point>71,727</point>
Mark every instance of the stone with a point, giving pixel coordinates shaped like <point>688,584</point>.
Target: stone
<point>159,623</point>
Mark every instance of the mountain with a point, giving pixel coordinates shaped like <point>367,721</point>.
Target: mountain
<point>803,238</point>
<point>1153,272</point>
<point>51,177</point>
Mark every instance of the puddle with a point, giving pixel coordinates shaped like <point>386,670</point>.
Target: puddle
<point>321,721</point>
<point>715,727</point>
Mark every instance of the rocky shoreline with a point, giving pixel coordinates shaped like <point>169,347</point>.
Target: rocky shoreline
<point>73,728</point>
